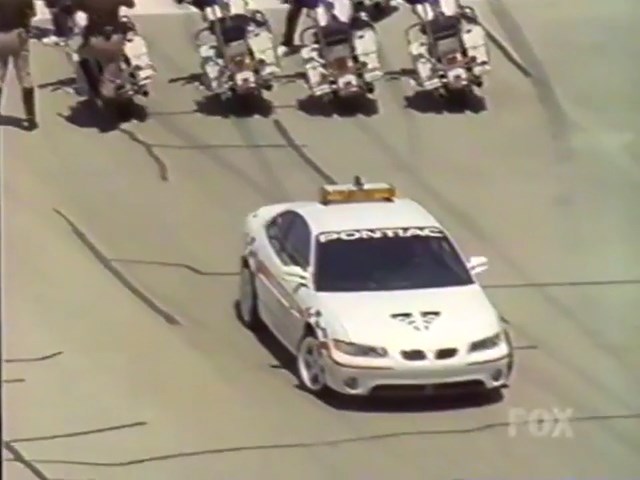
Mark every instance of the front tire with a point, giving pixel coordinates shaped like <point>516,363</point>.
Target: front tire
<point>310,367</point>
<point>512,360</point>
<point>248,298</point>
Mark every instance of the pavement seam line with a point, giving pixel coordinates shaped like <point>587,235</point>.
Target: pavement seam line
<point>18,457</point>
<point>130,286</point>
<point>509,53</point>
<point>634,416</point>
<point>302,155</point>
<point>163,169</point>
<point>42,358</point>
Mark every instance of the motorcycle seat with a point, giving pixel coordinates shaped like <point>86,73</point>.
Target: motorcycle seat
<point>234,28</point>
<point>336,33</point>
<point>445,36</point>
<point>444,27</point>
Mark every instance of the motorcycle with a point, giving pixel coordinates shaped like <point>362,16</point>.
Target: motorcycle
<point>449,51</point>
<point>136,74</point>
<point>238,54</point>
<point>341,60</point>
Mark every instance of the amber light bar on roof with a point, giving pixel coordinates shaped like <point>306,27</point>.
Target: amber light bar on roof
<point>358,191</point>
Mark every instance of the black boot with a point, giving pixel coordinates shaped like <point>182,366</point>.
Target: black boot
<point>29,104</point>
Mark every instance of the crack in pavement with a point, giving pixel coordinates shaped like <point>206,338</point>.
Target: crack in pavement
<point>330,443</point>
<point>167,316</point>
<point>33,359</point>
<point>300,152</point>
<point>18,457</point>
<point>163,169</point>
<point>184,266</point>
<point>507,52</point>
<point>82,433</point>
<point>148,148</point>
<point>559,122</point>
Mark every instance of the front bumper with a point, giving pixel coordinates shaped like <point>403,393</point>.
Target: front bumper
<point>419,380</point>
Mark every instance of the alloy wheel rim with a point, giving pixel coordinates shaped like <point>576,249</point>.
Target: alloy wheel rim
<point>310,366</point>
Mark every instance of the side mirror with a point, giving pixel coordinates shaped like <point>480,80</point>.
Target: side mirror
<point>477,264</point>
<point>295,274</point>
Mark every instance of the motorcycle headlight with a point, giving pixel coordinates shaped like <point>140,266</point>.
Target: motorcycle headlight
<point>358,350</point>
<point>488,343</point>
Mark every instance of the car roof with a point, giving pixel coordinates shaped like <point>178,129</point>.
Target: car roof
<point>401,212</point>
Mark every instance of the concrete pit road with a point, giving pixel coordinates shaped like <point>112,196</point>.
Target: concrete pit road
<point>123,358</point>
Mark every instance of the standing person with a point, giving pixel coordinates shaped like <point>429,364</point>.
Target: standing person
<point>104,39</point>
<point>61,20</point>
<point>15,22</point>
<point>296,7</point>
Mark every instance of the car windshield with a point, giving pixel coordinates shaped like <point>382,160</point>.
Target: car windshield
<point>387,259</point>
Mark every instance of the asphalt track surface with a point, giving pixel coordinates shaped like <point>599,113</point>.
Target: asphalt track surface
<point>122,355</point>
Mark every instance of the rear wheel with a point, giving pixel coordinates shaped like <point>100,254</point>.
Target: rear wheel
<point>310,366</point>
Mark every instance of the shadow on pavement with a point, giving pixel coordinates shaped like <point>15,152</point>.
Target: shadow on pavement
<point>317,107</point>
<point>428,103</point>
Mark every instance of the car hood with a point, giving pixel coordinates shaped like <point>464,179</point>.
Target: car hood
<point>397,319</point>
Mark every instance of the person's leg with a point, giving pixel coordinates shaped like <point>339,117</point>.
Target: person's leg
<point>4,68</point>
<point>6,52</point>
<point>22,65</point>
<point>87,83</point>
<point>291,25</point>
<point>62,22</point>
<point>109,54</point>
<point>14,46</point>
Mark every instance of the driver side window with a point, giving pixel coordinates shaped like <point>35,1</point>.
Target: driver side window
<point>277,231</point>
<point>297,243</point>
<point>290,238</point>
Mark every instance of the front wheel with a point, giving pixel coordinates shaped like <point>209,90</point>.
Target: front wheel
<point>248,299</point>
<point>310,365</point>
<point>511,361</point>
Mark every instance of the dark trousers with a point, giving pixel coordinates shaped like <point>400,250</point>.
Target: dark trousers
<point>291,24</point>
<point>62,24</point>
<point>61,17</point>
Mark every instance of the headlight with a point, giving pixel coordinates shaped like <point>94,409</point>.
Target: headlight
<point>488,343</point>
<point>357,350</point>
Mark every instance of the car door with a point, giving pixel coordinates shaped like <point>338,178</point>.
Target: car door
<point>269,262</point>
<point>297,248</point>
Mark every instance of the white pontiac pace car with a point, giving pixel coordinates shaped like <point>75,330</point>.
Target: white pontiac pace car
<point>371,295</point>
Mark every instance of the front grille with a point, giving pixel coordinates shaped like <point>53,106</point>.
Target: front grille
<point>432,389</point>
<point>413,355</point>
<point>446,353</point>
